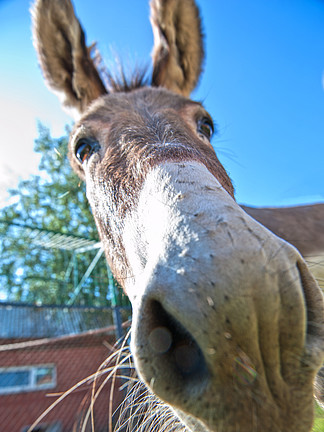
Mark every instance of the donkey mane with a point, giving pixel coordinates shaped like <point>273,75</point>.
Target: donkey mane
<point>122,81</point>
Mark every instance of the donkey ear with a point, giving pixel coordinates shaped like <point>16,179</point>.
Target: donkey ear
<point>178,45</point>
<point>63,55</point>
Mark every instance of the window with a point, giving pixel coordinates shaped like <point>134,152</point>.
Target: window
<point>27,378</point>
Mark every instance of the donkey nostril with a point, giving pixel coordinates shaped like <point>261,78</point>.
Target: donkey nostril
<point>172,346</point>
<point>186,354</point>
<point>160,340</point>
<point>167,354</point>
<point>187,358</point>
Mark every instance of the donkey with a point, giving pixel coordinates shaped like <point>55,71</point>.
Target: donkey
<point>301,226</point>
<point>227,320</point>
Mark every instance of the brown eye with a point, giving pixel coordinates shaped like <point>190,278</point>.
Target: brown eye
<point>206,128</point>
<point>85,148</point>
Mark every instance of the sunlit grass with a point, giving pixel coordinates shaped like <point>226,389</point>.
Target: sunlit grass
<point>319,420</point>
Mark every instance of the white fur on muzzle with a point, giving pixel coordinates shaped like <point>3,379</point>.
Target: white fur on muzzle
<point>224,312</point>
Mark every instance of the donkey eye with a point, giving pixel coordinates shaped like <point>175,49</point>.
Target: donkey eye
<point>84,149</point>
<point>206,128</point>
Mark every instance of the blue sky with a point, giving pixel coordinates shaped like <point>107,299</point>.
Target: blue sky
<point>263,85</point>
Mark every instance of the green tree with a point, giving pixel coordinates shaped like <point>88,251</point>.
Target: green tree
<point>54,201</point>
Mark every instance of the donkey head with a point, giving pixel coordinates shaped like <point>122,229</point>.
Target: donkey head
<point>227,320</point>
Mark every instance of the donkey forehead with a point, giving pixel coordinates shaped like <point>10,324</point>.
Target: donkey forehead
<point>141,103</point>
<point>134,127</point>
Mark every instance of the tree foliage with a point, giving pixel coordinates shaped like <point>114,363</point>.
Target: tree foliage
<point>52,201</point>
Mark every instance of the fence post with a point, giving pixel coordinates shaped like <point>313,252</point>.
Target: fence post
<point>115,307</point>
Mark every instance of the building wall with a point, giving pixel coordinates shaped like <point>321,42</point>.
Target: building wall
<point>75,359</point>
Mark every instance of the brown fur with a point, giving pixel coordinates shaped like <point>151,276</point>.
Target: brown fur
<point>301,226</point>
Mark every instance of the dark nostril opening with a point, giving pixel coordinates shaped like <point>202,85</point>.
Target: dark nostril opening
<point>174,344</point>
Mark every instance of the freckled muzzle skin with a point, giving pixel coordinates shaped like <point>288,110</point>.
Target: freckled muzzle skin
<point>239,299</point>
